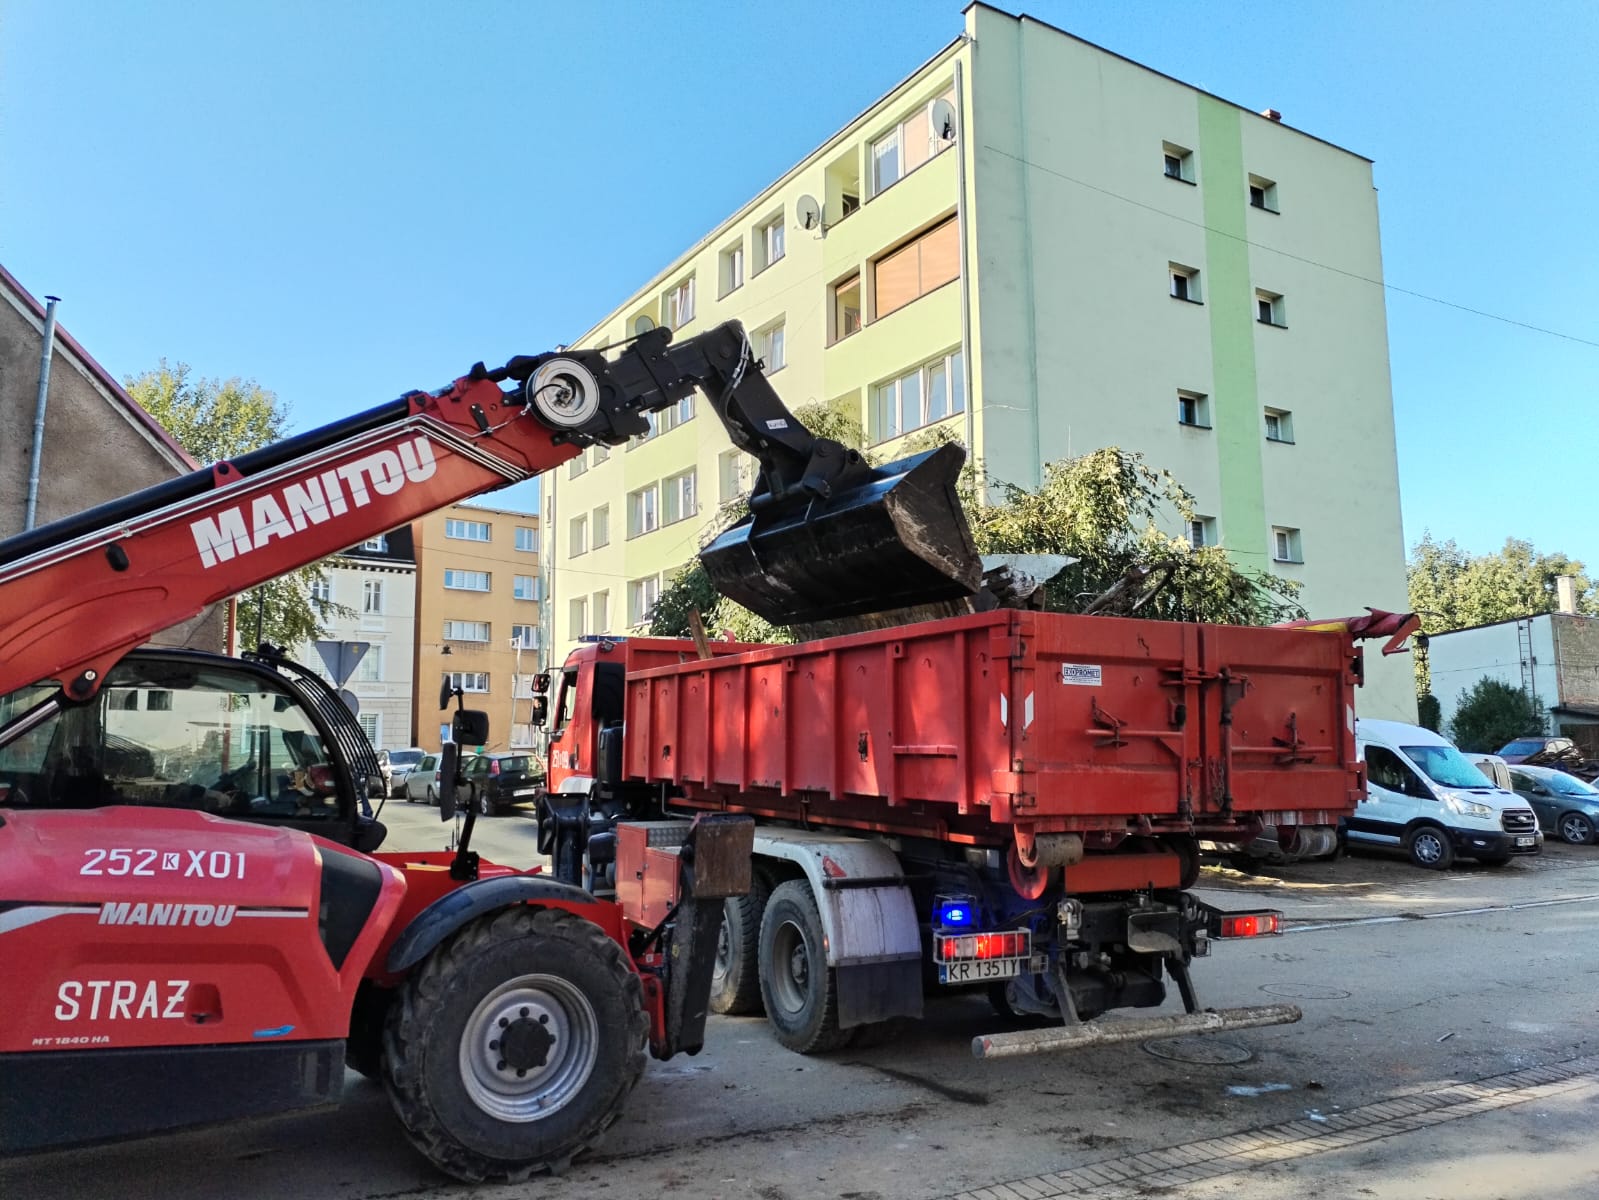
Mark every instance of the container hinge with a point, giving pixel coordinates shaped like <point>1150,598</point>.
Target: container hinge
<point>1292,745</point>
<point>1114,725</point>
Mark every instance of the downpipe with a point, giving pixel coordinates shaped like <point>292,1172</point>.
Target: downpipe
<point>43,398</point>
<point>1113,1032</point>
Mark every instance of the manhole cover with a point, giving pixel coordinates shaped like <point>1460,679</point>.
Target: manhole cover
<point>1205,1051</point>
<point>1305,991</point>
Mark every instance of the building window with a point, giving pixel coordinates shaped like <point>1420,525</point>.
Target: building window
<point>1202,532</point>
<point>1179,162</point>
<point>732,269</point>
<point>930,393</point>
<point>527,539</point>
<point>602,526</point>
<point>1184,282</point>
<point>322,589</point>
<point>1193,408</point>
<point>602,612</point>
<point>525,637</point>
<point>466,631</point>
<point>1285,546</point>
<point>1270,310</point>
<point>642,513</point>
<point>370,668</point>
<point>468,681</point>
<point>577,536</point>
<point>653,423</point>
<point>598,453</point>
<point>769,240</point>
<point>378,545</point>
<point>1262,194</point>
<point>371,726</point>
<point>677,497</point>
<point>909,144</point>
<point>577,616</point>
<point>577,467</point>
<point>523,587</point>
<point>769,348</point>
<point>847,308</point>
<point>372,597</point>
<point>930,261</point>
<point>1279,425</point>
<point>641,597</point>
<point>466,581</point>
<point>641,324</point>
<point>677,306</point>
<point>730,476</point>
<point>467,531</point>
<point>669,419</point>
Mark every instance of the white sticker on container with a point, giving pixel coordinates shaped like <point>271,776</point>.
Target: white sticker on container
<point>1081,674</point>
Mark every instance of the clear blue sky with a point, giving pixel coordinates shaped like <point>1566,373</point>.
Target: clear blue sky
<point>348,200</point>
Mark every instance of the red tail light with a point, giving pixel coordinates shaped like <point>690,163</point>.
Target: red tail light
<point>1242,925</point>
<point>494,767</point>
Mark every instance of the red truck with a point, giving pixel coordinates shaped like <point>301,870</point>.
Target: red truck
<point>1010,800</point>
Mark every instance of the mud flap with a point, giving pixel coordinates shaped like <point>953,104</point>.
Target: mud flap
<point>889,538</point>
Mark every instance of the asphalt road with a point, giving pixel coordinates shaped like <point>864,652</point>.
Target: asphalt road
<point>1450,1047</point>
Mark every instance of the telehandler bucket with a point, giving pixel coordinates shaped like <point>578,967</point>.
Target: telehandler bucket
<point>881,538</point>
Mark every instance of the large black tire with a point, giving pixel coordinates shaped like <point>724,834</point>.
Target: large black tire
<point>798,988</point>
<point>529,972</point>
<point>1428,846</point>
<point>736,978</point>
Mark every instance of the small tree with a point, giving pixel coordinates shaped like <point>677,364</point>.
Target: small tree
<point>216,419</point>
<point>1429,713</point>
<point>1493,712</point>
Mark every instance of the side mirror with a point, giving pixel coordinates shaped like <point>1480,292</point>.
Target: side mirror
<point>541,682</point>
<point>470,727</point>
<point>449,764</point>
<point>541,710</point>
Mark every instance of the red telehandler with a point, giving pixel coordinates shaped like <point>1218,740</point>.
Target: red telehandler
<point>196,922</point>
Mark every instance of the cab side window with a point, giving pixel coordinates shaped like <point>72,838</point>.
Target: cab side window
<point>1385,769</point>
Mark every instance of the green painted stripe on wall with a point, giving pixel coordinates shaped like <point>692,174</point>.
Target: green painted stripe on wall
<point>1229,296</point>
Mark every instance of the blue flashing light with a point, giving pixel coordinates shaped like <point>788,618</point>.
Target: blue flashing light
<point>956,914</point>
<point>600,637</point>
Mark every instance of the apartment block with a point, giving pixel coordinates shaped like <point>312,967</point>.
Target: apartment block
<point>1045,248</point>
<point>376,583</point>
<point>477,619</point>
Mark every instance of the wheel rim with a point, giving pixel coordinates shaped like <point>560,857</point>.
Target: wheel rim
<point>483,805</point>
<point>1429,849</point>
<point>724,954</point>
<point>529,1047</point>
<point>1574,828</point>
<point>791,967</point>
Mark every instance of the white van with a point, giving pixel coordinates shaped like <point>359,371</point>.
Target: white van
<point>1423,797</point>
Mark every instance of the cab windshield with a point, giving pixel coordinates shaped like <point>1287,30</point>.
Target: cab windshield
<point>1447,766</point>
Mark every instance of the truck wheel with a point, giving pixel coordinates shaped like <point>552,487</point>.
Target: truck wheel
<point>512,1048</point>
<point>736,977</point>
<point>1428,846</point>
<point>797,986</point>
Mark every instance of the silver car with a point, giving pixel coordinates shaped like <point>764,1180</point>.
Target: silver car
<point>401,764</point>
<point>422,780</point>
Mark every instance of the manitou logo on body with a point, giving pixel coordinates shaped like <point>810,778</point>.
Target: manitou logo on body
<point>128,912</point>
<point>121,999</point>
<point>311,501</point>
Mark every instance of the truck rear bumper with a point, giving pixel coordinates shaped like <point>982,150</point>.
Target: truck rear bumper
<point>1139,1029</point>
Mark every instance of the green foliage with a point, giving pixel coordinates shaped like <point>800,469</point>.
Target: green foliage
<point>1492,713</point>
<point>1456,590</point>
<point>1106,509</point>
<point>1429,713</point>
<point>219,419</point>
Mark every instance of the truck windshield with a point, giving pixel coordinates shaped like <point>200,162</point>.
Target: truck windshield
<point>1447,766</point>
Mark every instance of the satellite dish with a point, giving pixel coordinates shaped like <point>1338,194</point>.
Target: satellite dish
<point>642,324</point>
<point>944,119</point>
<point>808,212</point>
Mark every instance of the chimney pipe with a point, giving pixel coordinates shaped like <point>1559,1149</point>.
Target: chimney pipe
<point>38,409</point>
<point>1566,594</point>
<point>1271,114</point>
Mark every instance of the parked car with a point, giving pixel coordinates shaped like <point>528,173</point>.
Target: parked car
<point>401,764</point>
<point>1566,806</point>
<point>499,781</point>
<point>1559,752</point>
<point>422,781</point>
<point>1424,798</point>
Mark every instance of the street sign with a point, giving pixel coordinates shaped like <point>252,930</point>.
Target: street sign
<point>342,658</point>
<point>351,701</point>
